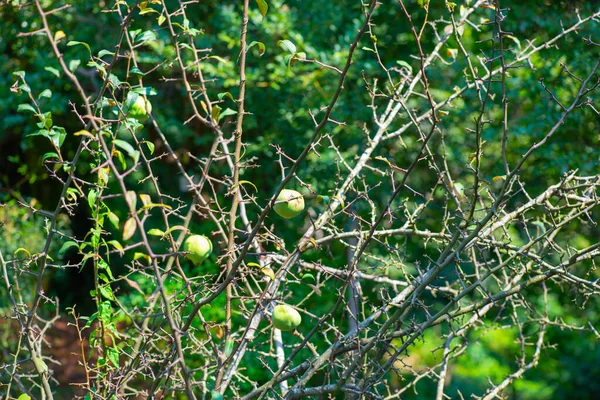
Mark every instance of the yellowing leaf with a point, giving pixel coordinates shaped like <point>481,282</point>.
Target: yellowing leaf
<point>84,133</point>
<point>153,205</point>
<point>134,285</point>
<point>21,249</point>
<point>145,199</point>
<point>131,199</point>
<point>59,35</point>
<point>129,229</point>
<point>340,200</point>
<point>267,271</point>
<point>253,264</point>
<point>117,246</point>
<point>142,256</point>
<point>452,53</point>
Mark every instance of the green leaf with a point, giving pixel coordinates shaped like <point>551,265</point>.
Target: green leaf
<point>175,228</point>
<point>150,146</point>
<point>59,136</point>
<point>406,65</point>
<point>214,395</point>
<point>48,155</point>
<point>229,347</point>
<point>124,146</point>
<point>134,32</point>
<point>261,47</point>
<point>287,46</point>
<point>92,197</point>
<point>225,94</point>
<point>104,265</point>
<point>113,356</point>
<point>73,64</point>
<point>263,7</point>
<point>116,245</point>
<point>145,37</point>
<point>105,312</point>
<point>91,319</point>
<point>104,52</point>
<point>116,82</point>
<point>135,70</point>
<point>72,194</point>
<point>156,232</point>
<point>142,256</point>
<point>45,93</point>
<point>148,11</point>
<point>24,397</point>
<point>324,199</point>
<point>220,59</point>
<point>216,112</point>
<point>148,91</point>
<point>226,112</point>
<point>53,71</point>
<point>66,246</point>
<point>308,278</point>
<point>103,176</point>
<point>24,87</point>
<point>75,43</point>
<point>248,182</point>
<point>133,153</point>
<point>107,292</point>
<point>26,107</point>
<point>114,219</point>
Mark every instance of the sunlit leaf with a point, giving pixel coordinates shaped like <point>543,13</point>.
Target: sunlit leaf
<point>129,229</point>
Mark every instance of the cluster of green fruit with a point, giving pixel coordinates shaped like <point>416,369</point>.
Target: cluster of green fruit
<point>199,247</point>
<point>289,204</point>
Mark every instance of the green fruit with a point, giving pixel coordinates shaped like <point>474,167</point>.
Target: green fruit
<point>289,203</point>
<point>285,318</point>
<point>140,109</point>
<point>199,247</point>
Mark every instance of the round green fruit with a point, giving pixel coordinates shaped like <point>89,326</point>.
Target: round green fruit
<point>140,109</point>
<point>289,203</point>
<point>285,318</point>
<point>199,248</point>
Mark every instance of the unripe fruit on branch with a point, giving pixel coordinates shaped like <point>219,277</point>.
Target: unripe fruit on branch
<point>285,318</point>
<point>199,247</point>
<point>289,203</point>
<point>140,109</point>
